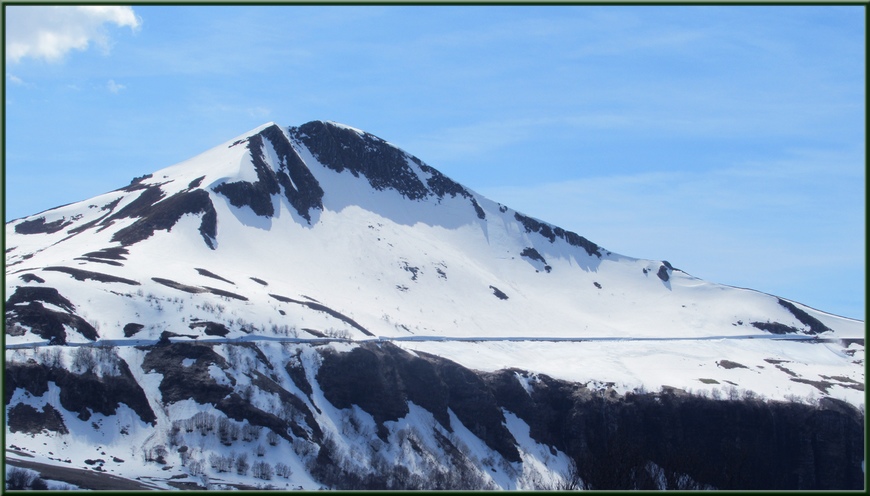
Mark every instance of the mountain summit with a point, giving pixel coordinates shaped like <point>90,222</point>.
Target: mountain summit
<point>324,268</point>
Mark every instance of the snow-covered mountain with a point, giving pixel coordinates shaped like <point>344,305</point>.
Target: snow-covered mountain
<point>347,309</point>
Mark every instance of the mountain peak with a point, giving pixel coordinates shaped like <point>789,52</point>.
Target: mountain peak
<point>335,199</point>
<point>323,285</point>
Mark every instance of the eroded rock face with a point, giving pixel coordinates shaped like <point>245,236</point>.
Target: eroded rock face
<point>716,443</point>
<point>25,308</point>
<point>24,418</point>
<point>166,213</point>
<point>81,393</point>
<point>40,226</point>
<point>381,379</point>
<point>290,175</point>
<point>194,381</point>
<point>553,232</point>
<point>340,149</point>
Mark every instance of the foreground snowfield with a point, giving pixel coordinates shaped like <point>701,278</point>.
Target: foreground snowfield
<point>431,273</point>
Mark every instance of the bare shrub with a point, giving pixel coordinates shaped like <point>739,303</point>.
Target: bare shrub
<point>262,470</point>
<point>303,448</point>
<point>242,464</point>
<point>20,478</point>
<point>283,470</point>
<point>272,438</point>
<point>83,360</point>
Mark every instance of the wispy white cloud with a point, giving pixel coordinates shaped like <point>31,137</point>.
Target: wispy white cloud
<point>114,87</point>
<point>261,112</point>
<point>15,79</point>
<point>50,32</point>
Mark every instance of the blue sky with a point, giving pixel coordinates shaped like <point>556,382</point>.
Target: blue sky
<point>728,140</point>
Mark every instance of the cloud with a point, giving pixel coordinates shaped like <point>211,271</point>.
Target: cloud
<point>50,32</point>
<point>259,112</point>
<point>15,79</point>
<point>114,87</point>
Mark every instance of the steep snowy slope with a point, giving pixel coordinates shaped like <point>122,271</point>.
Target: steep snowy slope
<point>323,232</point>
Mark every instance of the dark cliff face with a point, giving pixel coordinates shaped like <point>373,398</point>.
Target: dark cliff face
<point>301,189</point>
<point>81,393</point>
<point>722,444</point>
<point>382,379</point>
<point>340,149</point>
<point>637,441</point>
<point>26,308</point>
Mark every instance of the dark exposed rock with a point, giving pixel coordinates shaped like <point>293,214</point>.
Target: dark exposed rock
<point>300,186</point>
<point>728,364</point>
<point>367,378</point>
<point>264,383</point>
<point>24,418</point>
<point>478,209</point>
<point>440,184</point>
<point>178,285</point>
<point>775,327</point>
<point>698,443</point>
<point>39,226</point>
<point>82,393</point>
<point>475,405</point>
<point>259,281</point>
<point>410,269</point>
<point>723,444</point>
<point>816,326</point>
<point>532,254</point>
<point>132,328</point>
<point>100,260</point>
<point>83,275</point>
<point>166,213</point>
<point>228,294</point>
<point>136,183</point>
<point>822,386</point>
<point>325,309</point>
<point>239,409</point>
<point>382,378</point>
<point>297,374</point>
<point>256,195</point>
<point>340,149</point>
<point>663,273</point>
<point>24,308</point>
<point>110,207</point>
<point>498,293</point>
<point>138,207</point>
<point>25,294</point>
<point>111,253</point>
<point>192,382</point>
<point>31,278</point>
<point>207,273</point>
<point>196,182</point>
<point>551,233</point>
<point>211,328</point>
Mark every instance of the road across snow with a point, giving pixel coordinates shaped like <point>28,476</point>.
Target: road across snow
<point>281,339</point>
